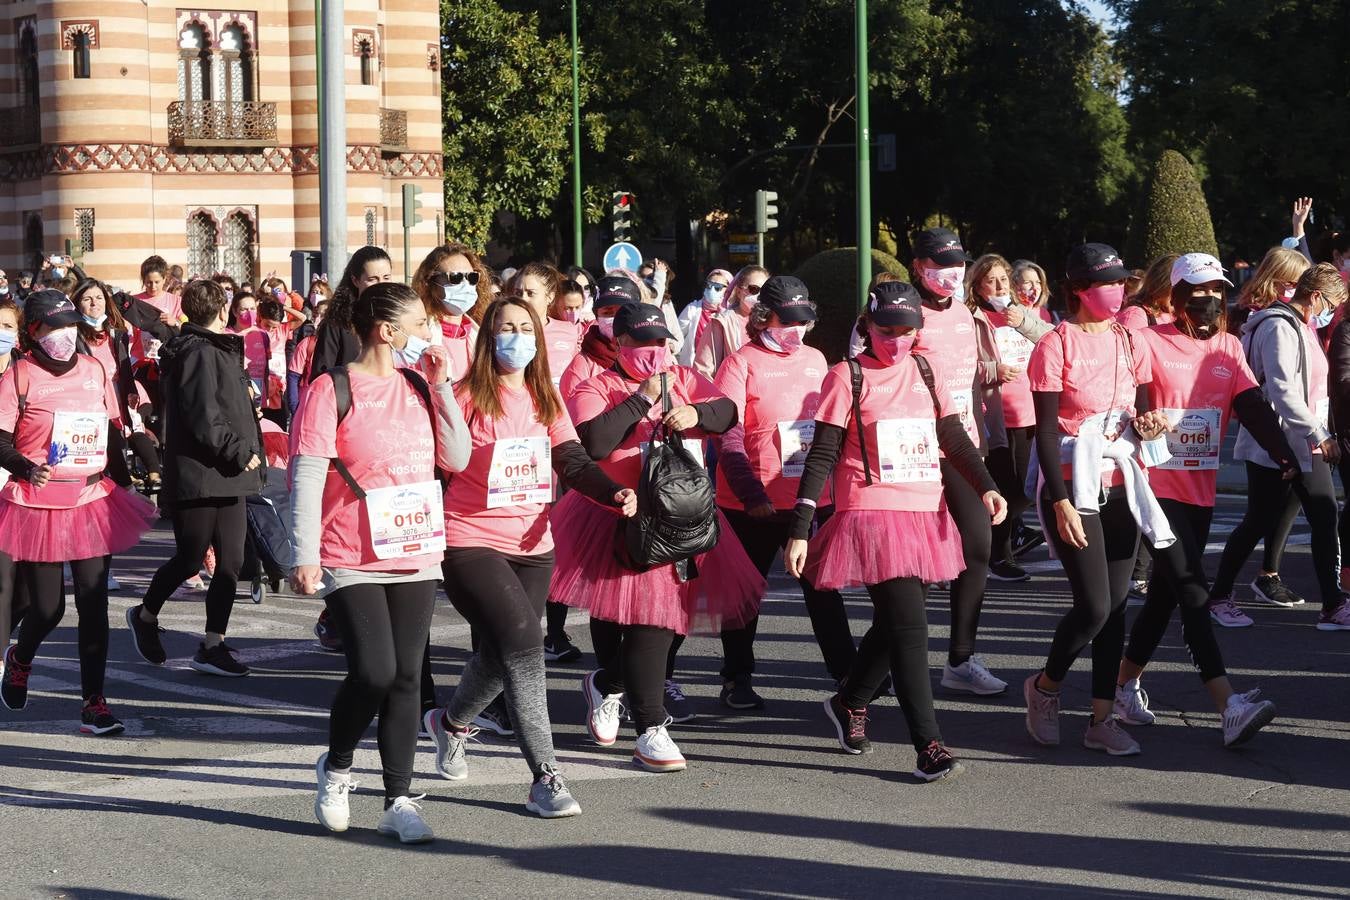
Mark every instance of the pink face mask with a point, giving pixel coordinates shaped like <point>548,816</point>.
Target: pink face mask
<point>1104,300</point>
<point>890,349</point>
<point>1027,293</point>
<point>644,362</point>
<point>571,315</point>
<point>247,318</point>
<point>944,282</point>
<point>784,339</point>
<point>1288,293</point>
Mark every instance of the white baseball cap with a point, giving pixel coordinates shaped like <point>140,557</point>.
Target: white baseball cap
<point>1198,268</point>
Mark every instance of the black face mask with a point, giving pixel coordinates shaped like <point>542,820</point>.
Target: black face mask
<point>1204,312</point>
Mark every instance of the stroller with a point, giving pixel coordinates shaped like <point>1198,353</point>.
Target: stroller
<point>268,554</point>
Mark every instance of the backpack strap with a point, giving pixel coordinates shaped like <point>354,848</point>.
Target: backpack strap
<point>342,393</point>
<point>856,377</point>
<point>1288,316</point>
<point>926,373</point>
<point>20,388</point>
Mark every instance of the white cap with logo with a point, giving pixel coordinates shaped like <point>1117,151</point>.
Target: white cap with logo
<point>1198,268</point>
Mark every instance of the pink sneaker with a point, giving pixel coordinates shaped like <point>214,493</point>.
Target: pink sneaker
<point>1226,613</point>
<point>1336,620</point>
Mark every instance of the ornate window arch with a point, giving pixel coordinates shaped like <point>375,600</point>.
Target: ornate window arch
<point>29,80</point>
<point>203,243</point>
<point>241,246</point>
<point>195,72</point>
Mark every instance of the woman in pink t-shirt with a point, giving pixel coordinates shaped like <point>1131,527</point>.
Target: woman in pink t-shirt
<point>56,409</point>
<point>1200,378</point>
<point>635,615</point>
<point>454,286</point>
<point>882,420</point>
<point>499,555</point>
<point>599,349</point>
<point>1152,303</point>
<point>1090,388</point>
<point>369,532</point>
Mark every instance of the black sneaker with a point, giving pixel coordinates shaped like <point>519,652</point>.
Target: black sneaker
<point>561,649</point>
<point>495,719</point>
<point>678,706</point>
<point>1026,540</point>
<point>1270,589</point>
<point>936,762</point>
<point>14,686</point>
<point>97,719</point>
<point>739,694</point>
<point>329,642</point>
<point>217,661</point>
<point>1007,570</point>
<point>145,637</point>
<point>850,725</point>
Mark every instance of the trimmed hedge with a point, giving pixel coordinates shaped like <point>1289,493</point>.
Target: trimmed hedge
<point>1175,216</point>
<point>832,278</point>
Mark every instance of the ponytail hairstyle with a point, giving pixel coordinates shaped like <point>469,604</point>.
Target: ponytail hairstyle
<point>383,302</point>
<point>424,280</point>
<point>114,320</point>
<point>483,383</point>
<point>340,310</point>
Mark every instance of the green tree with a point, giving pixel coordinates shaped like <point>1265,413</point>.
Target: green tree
<point>505,109</point>
<point>831,276</point>
<point>1175,217</point>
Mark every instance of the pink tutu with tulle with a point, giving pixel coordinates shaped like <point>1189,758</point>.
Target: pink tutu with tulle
<point>858,547</point>
<point>110,524</point>
<point>588,575</point>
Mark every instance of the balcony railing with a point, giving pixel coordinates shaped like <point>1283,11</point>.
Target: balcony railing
<point>222,123</point>
<point>20,126</point>
<point>393,130</point>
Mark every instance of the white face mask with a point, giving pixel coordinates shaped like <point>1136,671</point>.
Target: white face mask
<point>412,351</point>
<point>1001,302</point>
<point>59,344</point>
<point>785,338</point>
<point>460,298</point>
<point>713,296</point>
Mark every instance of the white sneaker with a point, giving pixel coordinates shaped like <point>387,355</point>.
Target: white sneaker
<point>656,752</point>
<point>404,820</point>
<point>972,677</point>
<point>603,712</point>
<point>330,806</point>
<point>1223,611</point>
<point>1245,716</point>
<point>1132,704</point>
<point>1109,736</point>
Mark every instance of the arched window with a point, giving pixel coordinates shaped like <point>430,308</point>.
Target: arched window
<point>80,53</point>
<point>370,226</point>
<point>194,64</point>
<point>201,244</point>
<point>33,240</point>
<point>237,58</point>
<point>367,62</point>
<point>239,247</point>
<point>28,67</point>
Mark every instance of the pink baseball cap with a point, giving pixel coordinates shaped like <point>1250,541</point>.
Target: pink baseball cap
<point>1198,268</point>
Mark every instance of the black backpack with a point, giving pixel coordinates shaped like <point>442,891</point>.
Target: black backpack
<point>677,507</point>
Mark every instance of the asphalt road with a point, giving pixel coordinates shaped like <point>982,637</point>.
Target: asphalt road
<point>210,791</point>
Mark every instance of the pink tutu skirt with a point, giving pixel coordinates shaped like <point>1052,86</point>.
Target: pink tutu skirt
<point>110,524</point>
<point>858,547</point>
<point>588,575</point>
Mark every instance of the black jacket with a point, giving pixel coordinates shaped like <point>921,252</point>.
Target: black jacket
<point>1338,387</point>
<point>210,429</point>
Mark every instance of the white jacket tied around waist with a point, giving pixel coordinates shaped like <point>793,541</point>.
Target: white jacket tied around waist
<point>1087,451</point>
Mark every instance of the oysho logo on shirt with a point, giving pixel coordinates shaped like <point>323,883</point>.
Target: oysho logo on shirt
<point>884,389</point>
<point>1180,366</point>
<point>370,404</point>
<point>772,374</point>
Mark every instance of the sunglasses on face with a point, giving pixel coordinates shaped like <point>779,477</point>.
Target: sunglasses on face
<point>752,289</point>
<point>717,286</point>
<point>457,277</point>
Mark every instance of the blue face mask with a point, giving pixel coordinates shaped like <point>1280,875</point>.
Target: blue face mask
<point>7,341</point>
<point>94,322</point>
<point>514,351</point>
<point>460,298</point>
<point>412,351</point>
<point>1322,319</point>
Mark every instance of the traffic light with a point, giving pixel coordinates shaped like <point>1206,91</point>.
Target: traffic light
<point>622,215</point>
<point>412,207</point>
<point>766,211</point>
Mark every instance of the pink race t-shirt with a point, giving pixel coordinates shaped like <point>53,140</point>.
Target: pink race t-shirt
<point>1093,373</point>
<point>608,389</point>
<point>458,340</point>
<point>582,368</point>
<point>1318,370</point>
<point>385,440</point>
<point>1014,350</point>
<point>777,396</point>
<point>1135,318</point>
<point>256,349</point>
<point>84,389</point>
<point>562,340</point>
<point>901,427</point>
<point>301,358</point>
<point>479,510</point>
<point>1194,383</point>
<point>947,340</point>
<point>165,303</point>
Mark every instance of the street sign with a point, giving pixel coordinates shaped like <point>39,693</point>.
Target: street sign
<point>741,248</point>
<point>622,255</point>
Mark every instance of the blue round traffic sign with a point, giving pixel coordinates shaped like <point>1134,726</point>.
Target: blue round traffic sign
<point>623,255</point>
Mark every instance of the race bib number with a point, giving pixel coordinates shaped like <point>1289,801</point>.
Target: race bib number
<point>79,441</point>
<point>907,450</point>
<point>406,520</point>
<point>1013,349</point>
<point>794,439</point>
<point>1194,439</point>
<point>694,446</point>
<point>1322,411</point>
<point>521,472</point>
<point>964,403</point>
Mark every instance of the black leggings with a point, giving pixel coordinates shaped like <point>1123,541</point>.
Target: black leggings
<point>197,525</point>
<point>632,660</point>
<point>1179,580</point>
<point>1099,576</point>
<point>45,586</point>
<point>1008,466</point>
<point>897,643</point>
<point>13,596</point>
<point>762,539</point>
<point>1344,525</point>
<point>967,590</point>
<point>1267,495</point>
<point>384,628</point>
